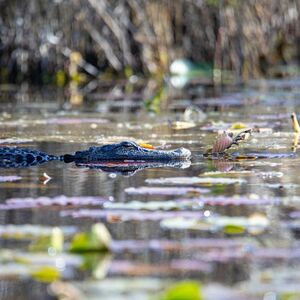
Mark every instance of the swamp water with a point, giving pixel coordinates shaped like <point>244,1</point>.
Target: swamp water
<point>230,225</point>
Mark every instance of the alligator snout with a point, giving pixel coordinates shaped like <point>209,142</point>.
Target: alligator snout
<point>183,152</point>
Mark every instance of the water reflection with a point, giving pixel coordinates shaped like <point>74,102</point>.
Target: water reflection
<point>272,175</point>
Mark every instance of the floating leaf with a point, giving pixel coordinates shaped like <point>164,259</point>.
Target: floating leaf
<point>9,178</point>
<point>97,239</point>
<point>204,244</point>
<point>257,223</point>
<point>179,125</point>
<point>97,263</point>
<point>149,205</point>
<point>238,126</point>
<point>186,290</point>
<point>144,190</point>
<point>9,271</point>
<point>46,274</point>
<point>127,215</point>
<point>55,241</point>
<point>234,229</point>
<point>71,121</point>
<point>232,225</point>
<point>18,203</point>
<point>252,199</point>
<point>175,267</point>
<point>227,173</point>
<point>195,180</point>
<point>25,231</point>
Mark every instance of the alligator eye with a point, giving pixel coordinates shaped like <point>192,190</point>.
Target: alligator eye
<point>128,145</point>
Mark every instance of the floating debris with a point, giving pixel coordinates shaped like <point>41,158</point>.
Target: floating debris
<point>192,289</point>
<point>228,173</point>
<point>28,231</point>
<point>172,191</point>
<point>238,126</point>
<point>45,237</point>
<point>149,205</point>
<point>10,178</point>
<point>26,203</point>
<point>175,267</point>
<point>116,215</point>
<point>71,121</point>
<point>255,224</point>
<point>45,178</point>
<point>95,240</point>
<point>15,271</point>
<point>194,180</point>
<point>179,125</point>
<point>236,200</point>
<point>174,246</point>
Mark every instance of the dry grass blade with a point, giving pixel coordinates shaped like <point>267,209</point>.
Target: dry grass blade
<point>296,126</point>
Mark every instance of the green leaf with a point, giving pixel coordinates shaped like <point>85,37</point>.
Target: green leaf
<point>55,241</point>
<point>234,229</point>
<point>46,274</point>
<point>186,290</point>
<point>98,239</point>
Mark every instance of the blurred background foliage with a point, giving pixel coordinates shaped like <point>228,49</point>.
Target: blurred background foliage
<point>47,41</point>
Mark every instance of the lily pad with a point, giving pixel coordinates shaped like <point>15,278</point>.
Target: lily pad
<point>255,224</point>
<point>144,190</point>
<point>186,290</point>
<point>18,203</point>
<point>204,244</point>
<point>97,239</point>
<point>45,274</point>
<point>195,180</point>
<point>10,178</point>
<point>149,205</point>
<point>115,215</point>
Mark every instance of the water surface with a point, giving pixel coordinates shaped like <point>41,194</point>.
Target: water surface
<point>249,256</point>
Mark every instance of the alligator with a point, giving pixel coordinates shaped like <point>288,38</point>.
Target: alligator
<point>125,157</point>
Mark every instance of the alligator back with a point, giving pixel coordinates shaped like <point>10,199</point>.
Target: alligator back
<point>13,157</point>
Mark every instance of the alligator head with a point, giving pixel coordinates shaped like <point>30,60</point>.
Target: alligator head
<point>126,151</point>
